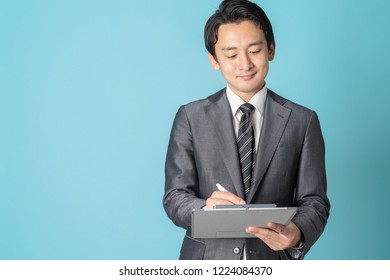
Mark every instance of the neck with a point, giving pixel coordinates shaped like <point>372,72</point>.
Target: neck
<point>246,96</point>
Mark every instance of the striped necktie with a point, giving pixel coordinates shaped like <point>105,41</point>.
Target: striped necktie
<point>246,146</point>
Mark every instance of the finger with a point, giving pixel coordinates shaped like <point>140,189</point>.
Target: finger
<point>273,239</point>
<point>217,201</point>
<point>261,233</point>
<point>228,196</point>
<point>278,228</point>
<point>265,235</point>
<point>211,202</point>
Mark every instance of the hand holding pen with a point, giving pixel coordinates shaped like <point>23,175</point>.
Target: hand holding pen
<point>222,196</point>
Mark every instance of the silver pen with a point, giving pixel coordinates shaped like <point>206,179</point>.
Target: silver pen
<point>220,188</point>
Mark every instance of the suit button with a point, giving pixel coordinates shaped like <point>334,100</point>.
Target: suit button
<point>236,250</point>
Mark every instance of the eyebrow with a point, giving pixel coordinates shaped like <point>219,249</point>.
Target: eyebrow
<point>250,45</point>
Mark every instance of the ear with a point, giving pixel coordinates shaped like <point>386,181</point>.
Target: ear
<point>214,63</point>
<point>271,51</point>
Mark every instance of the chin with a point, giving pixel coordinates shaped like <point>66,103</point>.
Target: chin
<point>250,90</point>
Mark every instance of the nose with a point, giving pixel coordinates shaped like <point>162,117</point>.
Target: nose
<point>245,63</point>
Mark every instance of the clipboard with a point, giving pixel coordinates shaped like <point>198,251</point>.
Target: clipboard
<point>230,221</point>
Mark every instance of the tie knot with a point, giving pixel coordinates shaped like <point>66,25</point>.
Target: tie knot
<point>246,108</point>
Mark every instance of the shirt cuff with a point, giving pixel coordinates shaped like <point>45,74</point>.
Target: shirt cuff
<point>296,251</point>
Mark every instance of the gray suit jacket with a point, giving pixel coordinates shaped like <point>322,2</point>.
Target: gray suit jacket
<point>289,171</point>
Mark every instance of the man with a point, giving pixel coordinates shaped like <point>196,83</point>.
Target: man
<point>270,150</point>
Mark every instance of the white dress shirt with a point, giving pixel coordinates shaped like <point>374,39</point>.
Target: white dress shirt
<point>258,101</point>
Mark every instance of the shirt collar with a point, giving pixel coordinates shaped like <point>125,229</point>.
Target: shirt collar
<point>258,100</point>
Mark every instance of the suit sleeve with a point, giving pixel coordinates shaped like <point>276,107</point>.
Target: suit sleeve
<point>311,199</point>
<point>181,177</point>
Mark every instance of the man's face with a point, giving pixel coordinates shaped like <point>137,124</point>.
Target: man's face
<point>242,56</point>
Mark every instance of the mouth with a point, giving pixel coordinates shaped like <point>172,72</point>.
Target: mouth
<point>247,77</point>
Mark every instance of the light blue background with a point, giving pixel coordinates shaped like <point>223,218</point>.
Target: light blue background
<point>82,176</point>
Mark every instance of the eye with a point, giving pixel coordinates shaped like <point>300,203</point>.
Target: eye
<point>231,56</point>
<point>255,51</point>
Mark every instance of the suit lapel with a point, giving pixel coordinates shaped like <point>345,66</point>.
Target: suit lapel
<point>221,118</point>
<point>274,123</point>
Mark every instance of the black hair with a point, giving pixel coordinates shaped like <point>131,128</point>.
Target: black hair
<point>236,11</point>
